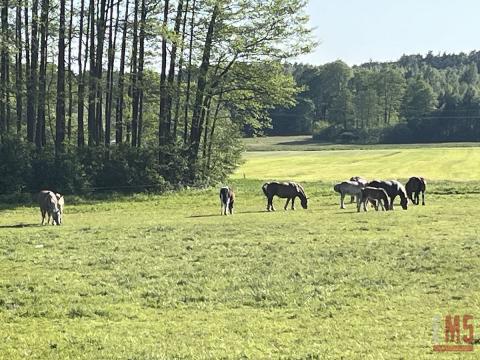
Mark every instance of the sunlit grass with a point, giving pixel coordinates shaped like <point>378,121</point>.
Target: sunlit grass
<point>166,277</point>
<point>456,164</point>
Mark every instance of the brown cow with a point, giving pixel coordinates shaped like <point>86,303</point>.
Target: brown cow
<point>288,190</point>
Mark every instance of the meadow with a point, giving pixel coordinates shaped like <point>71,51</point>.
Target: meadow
<point>166,277</point>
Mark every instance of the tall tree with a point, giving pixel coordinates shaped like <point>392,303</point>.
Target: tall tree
<point>69,73</point>
<point>60,108</point>
<point>171,71</point>
<point>101,26</point>
<point>32,83</point>
<point>163,129</point>
<point>121,73</point>
<point>40,133</point>
<point>141,62</point>
<point>18,65</point>
<point>92,136</point>
<point>134,75</point>
<point>189,75</point>
<point>180,73</point>
<point>112,40</point>
<point>196,132</point>
<point>4,85</point>
<point>81,83</point>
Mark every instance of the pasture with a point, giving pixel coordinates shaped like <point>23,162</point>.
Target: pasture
<point>165,277</point>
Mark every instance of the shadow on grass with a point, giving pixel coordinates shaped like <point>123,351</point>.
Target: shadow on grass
<point>235,213</point>
<point>19,226</point>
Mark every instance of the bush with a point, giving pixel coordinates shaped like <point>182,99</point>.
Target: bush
<point>15,165</point>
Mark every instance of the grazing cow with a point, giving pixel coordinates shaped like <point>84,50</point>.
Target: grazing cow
<point>414,186</point>
<point>350,187</point>
<point>227,198</point>
<point>360,180</point>
<point>49,206</point>
<point>288,190</point>
<point>393,189</point>
<point>374,195</point>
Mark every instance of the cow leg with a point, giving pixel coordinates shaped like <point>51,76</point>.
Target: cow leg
<point>270,203</point>
<point>231,207</point>
<point>293,203</point>
<point>286,204</point>
<point>342,201</point>
<point>43,216</point>
<point>227,205</point>
<point>423,198</point>
<point>359,202</point>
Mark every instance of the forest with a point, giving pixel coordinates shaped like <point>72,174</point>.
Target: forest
<point>431,98</point>
<point>139,94</point>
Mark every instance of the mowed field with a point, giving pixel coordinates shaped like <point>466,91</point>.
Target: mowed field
<point>166,277</point>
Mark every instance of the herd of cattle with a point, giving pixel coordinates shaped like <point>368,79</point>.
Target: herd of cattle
<point>379,193</point>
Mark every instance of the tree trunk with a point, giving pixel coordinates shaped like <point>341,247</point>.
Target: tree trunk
<point>141,60</point>
<point>92,136</point>
<point>212,131</point>
<point>18,65</point>
<point>134,76</point>
<point>81,84</point>
<point>60,108</point>
<point>180,74</point>
<point>171,72</point>
<point>4,120</point>
<point>32,83</point>
<point>189,76</point>
<point>120,100</point>
<point>40,136</point>
<point>162,125</point>
<point>101,26</point>
<point>196,132</point>
<point>112,40</point>
<point>70,94</point>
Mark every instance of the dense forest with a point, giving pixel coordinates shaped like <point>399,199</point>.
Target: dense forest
<point>138,94</point>
<point>415,99</point>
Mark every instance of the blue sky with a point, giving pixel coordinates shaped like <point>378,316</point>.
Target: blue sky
<point>356,31</point>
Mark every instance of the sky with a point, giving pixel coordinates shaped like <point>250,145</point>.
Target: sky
<point>357,31</point>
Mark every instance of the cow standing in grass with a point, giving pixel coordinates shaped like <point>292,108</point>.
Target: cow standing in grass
<point>227,198</point>
<point>376,196</point>
<point>414,186</point>
<point>352,188</point>
<point>48,202</point>
<point>393,189</point>
<point>288,190</point>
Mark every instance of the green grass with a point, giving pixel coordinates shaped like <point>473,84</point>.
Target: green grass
<point>443,163</point>
<point>165,277</point>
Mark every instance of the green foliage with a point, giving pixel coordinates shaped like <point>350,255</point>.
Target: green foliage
<point>15,165</point>
<point>436,96</point>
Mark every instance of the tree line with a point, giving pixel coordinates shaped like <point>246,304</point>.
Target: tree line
<point>417,98</point>
<point>86,83</point>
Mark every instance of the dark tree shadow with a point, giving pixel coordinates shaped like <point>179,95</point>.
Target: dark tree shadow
<point>18,226</point>
<point>235,213</point>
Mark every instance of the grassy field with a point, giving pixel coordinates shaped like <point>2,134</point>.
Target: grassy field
<point>165,277</point>
<point>434,163</point>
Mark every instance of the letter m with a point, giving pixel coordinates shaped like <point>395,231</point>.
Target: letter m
<point>452,328</point>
